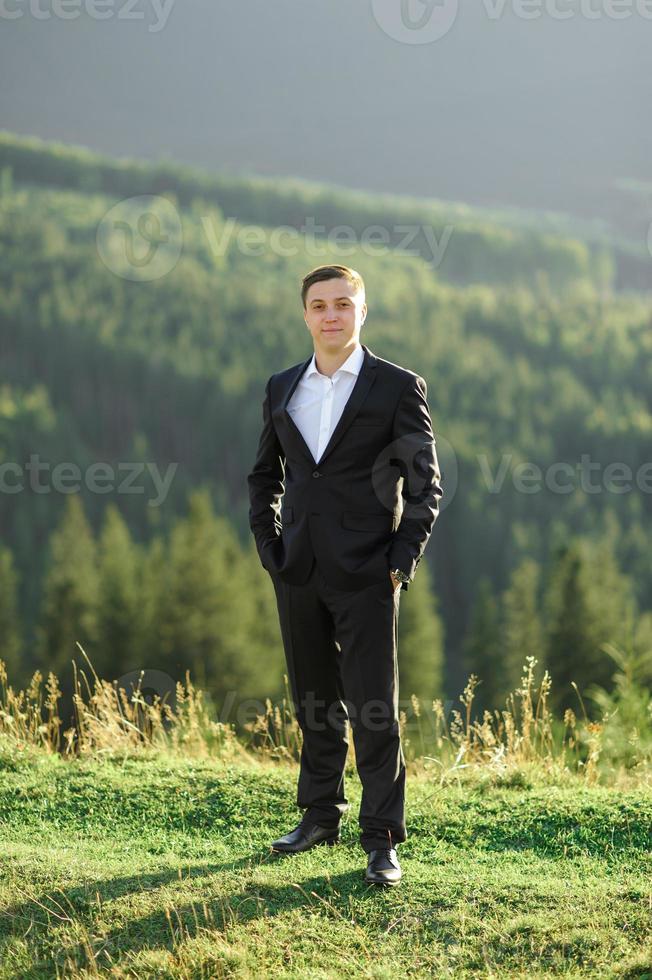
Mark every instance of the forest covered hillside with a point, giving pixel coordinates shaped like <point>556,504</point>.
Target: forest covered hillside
<point>539,377</point>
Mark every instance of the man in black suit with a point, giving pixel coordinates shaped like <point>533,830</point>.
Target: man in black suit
<point>343,495</point>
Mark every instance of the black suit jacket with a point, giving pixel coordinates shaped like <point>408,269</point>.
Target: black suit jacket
<point>370,503</point>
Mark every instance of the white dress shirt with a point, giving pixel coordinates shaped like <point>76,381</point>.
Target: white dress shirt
<point>318,401</point>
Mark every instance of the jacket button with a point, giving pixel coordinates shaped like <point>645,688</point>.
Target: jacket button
<point>316,473</point>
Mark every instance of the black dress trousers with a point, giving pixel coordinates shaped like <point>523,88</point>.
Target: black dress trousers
<point>341,650</point>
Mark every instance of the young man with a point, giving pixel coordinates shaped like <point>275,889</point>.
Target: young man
<point>343,495</point>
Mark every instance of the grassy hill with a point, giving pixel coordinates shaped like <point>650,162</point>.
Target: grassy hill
<point>159,866</point>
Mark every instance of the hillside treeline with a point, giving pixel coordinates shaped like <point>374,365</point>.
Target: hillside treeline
<point>464,244</point>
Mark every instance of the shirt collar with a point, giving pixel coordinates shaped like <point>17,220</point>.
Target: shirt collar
<point>352,364</point>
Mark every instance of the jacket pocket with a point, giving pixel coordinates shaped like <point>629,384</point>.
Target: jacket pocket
<point>367,522</point>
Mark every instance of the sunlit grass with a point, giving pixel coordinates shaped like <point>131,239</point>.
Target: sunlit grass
<point>523,741</point>
<point>136,844</point>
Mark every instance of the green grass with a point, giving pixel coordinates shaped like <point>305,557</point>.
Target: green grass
<point>160,867</point>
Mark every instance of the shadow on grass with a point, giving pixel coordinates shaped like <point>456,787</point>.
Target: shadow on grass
<point>84,903</point>
<point>46,920</point>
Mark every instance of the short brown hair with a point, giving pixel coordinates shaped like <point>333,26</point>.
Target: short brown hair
<point>323,272</point>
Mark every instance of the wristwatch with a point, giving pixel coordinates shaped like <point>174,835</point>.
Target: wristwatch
<point>399,575</point>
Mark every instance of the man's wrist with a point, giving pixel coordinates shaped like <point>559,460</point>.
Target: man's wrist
<point>400,575</point>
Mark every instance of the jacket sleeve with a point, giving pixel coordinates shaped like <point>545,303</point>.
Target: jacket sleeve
<point>265,481</point>
<point>416,458</point>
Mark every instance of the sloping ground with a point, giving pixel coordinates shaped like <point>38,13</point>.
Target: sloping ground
<point>161,868</point>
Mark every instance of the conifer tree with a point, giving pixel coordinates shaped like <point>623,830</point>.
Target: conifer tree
<point>421,640</point>
<point>206,610</point>
<point>482,651</point>
<point>264,631</point>
<point>153,573</point>
<point>10,633</point>
<point>522,633</point>
<point>119,600</point>
<point>70,595</point>
<point>589,602</point>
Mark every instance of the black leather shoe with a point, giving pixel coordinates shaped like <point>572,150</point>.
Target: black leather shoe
<point>305,836</point>
<point>383,867</point>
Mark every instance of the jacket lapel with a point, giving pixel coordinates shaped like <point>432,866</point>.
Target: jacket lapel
<point>360,390</point>
<point>283,410</point>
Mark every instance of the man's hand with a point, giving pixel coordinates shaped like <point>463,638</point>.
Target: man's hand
<point>395,582</point>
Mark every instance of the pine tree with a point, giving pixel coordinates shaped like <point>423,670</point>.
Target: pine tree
<point>153,573</point>
<point>264,632</point>
<point>589,602</point>
<point>482,652</point>
<point>70,595</point>
<point>522,632</point>
<point>10,634</point>
<point>119,599</point>
<point>421,641</point>
<point>206,610</point>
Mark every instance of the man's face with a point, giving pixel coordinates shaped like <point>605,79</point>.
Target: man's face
<point>334,314</point>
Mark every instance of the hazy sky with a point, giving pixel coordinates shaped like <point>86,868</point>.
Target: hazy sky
<point>500,109</point>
